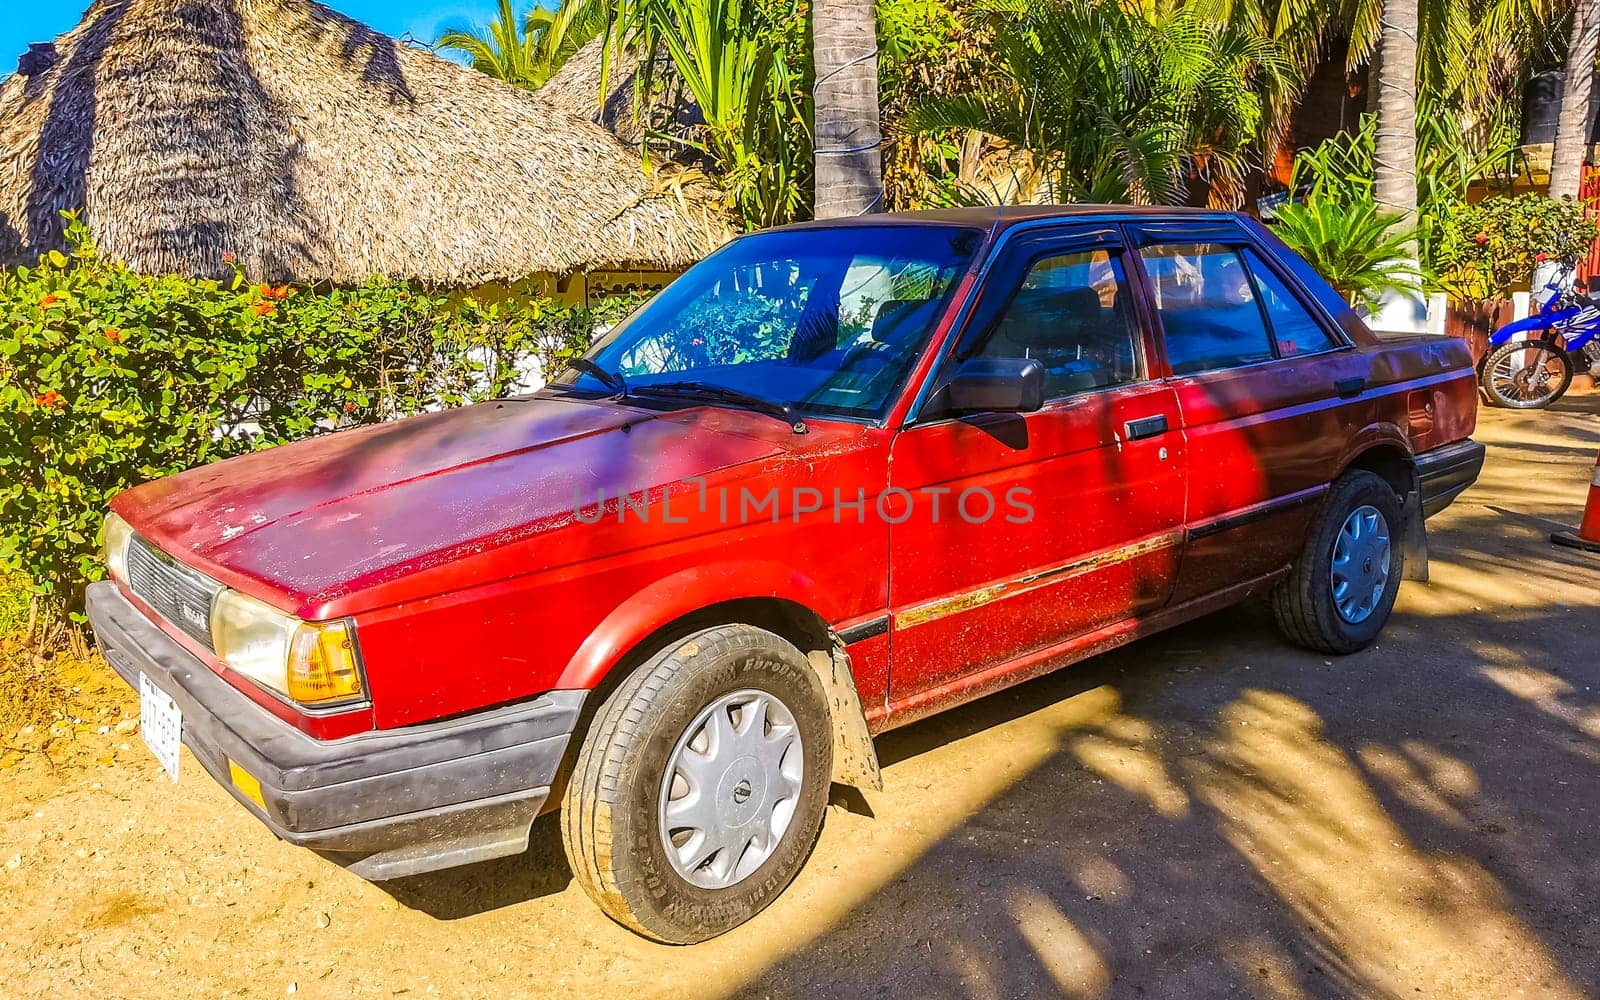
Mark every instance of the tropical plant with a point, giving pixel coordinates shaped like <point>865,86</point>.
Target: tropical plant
<point>849,164</point>
<point>1490,248</point>
<point>743,63</point>
<point>109,378</point>
<point>1572,127</point>
<point>926,48</point>
<point>1467,54</point>
<point>1394,149</point>
<point>1120,102</point>
<point>527,51</point>
<point>1340,171</point>
<point>1361,250</point>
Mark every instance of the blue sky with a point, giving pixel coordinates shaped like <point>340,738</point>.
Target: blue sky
<point>42,20</point>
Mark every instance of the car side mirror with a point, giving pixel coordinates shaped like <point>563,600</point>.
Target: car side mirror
<point>996,385</point>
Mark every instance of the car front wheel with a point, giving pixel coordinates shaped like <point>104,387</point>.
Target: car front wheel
<point>1342,588</point>
<point>700,787</point>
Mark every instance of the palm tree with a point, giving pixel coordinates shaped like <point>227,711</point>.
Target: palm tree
<point>1120,102</point>
<point>526,52</point>
<point>849,163</point>
<point>1394,180</point>
<point>1572,127</point>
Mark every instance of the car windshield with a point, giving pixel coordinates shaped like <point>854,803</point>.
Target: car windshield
<point>826,321</point>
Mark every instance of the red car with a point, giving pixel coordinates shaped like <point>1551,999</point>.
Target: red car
<point>833,479</point>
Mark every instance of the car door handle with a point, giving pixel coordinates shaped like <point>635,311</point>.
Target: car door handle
<point>1145,427</point>
<point>1350,386</point>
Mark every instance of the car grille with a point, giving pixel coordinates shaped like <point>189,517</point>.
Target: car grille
<point>177,593</point>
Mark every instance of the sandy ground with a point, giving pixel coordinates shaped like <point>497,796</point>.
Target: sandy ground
<point>1207,813</point>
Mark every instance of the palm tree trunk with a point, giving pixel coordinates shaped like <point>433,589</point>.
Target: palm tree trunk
<point>849,164</point>
<point>1394,171</point>
<point>1572,127</point>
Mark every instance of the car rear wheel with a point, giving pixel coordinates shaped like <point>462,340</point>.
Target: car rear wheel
<point>701,785</point>
<point>1343,586</point>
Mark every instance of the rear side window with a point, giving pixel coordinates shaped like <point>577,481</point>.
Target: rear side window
<point>1209,309</point>
<point>1295,330</point>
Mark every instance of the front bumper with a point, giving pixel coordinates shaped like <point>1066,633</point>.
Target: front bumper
<point>1445,472</point>
<point>386,804</point>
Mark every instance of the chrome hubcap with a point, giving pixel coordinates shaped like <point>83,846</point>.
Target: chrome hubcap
<point>1360,564</point>
<point>730,789</point>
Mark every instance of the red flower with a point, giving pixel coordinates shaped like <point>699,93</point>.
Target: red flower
<point>1482,238</point>
<point>280,293</point>
<point>48,301</point>
<point>229,257</point>
<point>264,308</point>
<point>114,335</point>
<point>349,407</point>
<point>1541,257</point>
<point>49,400</point>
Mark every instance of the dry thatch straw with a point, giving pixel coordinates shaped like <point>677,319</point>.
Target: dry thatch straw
<point>576,89</point>
<point>314,148</point>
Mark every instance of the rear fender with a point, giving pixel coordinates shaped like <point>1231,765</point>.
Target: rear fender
<point>1414,532</point>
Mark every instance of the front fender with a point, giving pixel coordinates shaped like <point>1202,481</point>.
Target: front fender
<point>641,614</point>
<point>634,620</point>
<point>1535,327</point>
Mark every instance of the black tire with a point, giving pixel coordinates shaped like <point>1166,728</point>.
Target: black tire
<point>1303,602</point>
<point>1537,395</point>
<point>610,823</point>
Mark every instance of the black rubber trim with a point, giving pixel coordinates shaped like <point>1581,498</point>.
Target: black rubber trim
<point>1259,512</point>
<point>1445,473</point>
<point>368,792</point>
<point>864,631</point>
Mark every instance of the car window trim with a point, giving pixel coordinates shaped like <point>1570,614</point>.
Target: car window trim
<point>1054,240</point>
<point>1153,234</point>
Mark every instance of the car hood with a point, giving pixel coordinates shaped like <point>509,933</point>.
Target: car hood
<point>322,516</point>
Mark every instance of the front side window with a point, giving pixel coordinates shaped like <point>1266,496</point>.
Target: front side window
<point>1210,316</point>
<point>826,320</point>
<point>1071,314</point>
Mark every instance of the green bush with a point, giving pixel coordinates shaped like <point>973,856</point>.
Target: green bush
<point>110,378</point>
<point>1488,249</point>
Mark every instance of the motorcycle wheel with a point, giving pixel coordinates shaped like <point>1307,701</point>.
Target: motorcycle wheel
<point>1526,374</point>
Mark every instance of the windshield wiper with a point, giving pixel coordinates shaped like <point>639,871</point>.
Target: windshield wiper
<point>723,394</point>
<point>608,378</point>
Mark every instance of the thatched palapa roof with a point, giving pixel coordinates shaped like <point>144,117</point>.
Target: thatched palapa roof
<point>314,148</point>
<point>576,89</point>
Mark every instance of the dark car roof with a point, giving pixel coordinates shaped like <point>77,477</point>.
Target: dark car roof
<point>987,217</point>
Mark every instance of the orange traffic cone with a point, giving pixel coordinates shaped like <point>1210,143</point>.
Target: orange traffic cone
<point>1588,534</point>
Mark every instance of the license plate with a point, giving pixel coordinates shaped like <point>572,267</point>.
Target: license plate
<point>161,724</point>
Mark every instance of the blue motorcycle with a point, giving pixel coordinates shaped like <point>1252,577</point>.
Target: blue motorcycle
<point>1531,361</point>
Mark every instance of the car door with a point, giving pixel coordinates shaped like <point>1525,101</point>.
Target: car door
<point>1024,531</point>
<point>1258,373</point>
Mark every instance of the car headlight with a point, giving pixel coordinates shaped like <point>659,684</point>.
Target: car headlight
<point>114,542</point>
<point>312,663</point>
